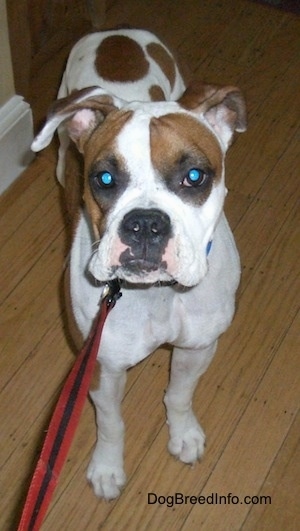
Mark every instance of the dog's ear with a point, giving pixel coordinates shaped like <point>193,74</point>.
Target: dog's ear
<point>223,107</point>
<point>83,110</point>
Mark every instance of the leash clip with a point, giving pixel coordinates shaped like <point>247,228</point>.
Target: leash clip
<point>111,292</point>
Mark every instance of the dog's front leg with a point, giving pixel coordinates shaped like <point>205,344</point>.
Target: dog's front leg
<point>105,470</point>
<point>187,439</point>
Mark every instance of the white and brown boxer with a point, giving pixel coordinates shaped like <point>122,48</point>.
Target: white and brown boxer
<point>153,216</point>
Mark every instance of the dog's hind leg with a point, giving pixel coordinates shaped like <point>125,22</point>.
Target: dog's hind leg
<point>105,470</point>
<point>187,439</point>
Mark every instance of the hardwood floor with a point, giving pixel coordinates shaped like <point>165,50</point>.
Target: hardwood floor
<point>248,401</point>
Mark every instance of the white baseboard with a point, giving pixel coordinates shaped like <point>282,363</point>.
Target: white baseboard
<point>16,135</point>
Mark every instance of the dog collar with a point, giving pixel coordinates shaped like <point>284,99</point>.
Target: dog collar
<point>112,290</point>
<point>208,247</point>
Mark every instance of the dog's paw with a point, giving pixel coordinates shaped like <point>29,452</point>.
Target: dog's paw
<point>107,481</point>
<point>188,446</point>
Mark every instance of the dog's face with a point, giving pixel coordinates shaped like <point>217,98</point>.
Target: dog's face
<point>154,190</point>
<point>154,178</point>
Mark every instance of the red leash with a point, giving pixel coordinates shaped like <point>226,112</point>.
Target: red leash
<point>65,420</point>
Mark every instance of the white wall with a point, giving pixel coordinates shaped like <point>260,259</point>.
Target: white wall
<point>16,129</point>
<point>7,88</point>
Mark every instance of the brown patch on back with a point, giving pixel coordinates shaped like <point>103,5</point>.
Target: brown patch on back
<point>164,60</point>
<point>119,58</point>
<point>156,93</point>
<point>175,135</point>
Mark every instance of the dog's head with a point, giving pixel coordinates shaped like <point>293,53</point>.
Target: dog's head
<point>154,177</point>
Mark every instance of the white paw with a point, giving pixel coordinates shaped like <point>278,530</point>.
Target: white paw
<point>188,446</point>
<point>107,480</point>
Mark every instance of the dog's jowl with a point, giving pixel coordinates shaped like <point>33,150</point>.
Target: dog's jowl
<point>153,192</point>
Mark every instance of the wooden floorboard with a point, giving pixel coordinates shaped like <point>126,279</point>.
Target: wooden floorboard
<point>248,401</point>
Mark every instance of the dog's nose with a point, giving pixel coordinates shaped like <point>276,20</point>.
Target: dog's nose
<point>150,226</point>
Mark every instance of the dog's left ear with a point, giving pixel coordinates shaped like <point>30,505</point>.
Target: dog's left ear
<point>82,110</point>
<point>223,107</point>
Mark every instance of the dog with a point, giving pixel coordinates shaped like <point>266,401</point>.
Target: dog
<point>152,217</point>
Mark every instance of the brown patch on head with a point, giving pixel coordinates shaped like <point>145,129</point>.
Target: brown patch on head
<point>179,143</point>
<point>156,93</point>
<point>173,135</point>
<point>122,59</point>
<point>100,155</point>
<point>164,60</point>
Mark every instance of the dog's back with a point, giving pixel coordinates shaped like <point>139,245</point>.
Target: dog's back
<point>132,64</point>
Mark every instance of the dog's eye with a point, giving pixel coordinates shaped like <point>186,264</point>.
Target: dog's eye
<point>194,177</point>
<point>105,179</point>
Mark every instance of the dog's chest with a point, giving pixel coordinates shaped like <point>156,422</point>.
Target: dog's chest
<point>151,316</point>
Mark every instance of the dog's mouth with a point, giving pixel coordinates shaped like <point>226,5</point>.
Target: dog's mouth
<point>141,266</point>
<point>139,270</point>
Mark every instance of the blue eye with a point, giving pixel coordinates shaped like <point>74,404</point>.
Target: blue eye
<point>105,179</point>
<point>194,177</point>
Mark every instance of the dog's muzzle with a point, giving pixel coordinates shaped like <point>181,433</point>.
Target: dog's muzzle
<point>146,233</point>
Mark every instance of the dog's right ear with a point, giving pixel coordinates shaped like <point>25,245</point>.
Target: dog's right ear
<point>83,109</point>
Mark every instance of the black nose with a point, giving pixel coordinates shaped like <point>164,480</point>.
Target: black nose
<point>146,233</point>
<point>145,226</point>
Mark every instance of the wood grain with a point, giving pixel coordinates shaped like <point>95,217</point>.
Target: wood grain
<point>248,401</point>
